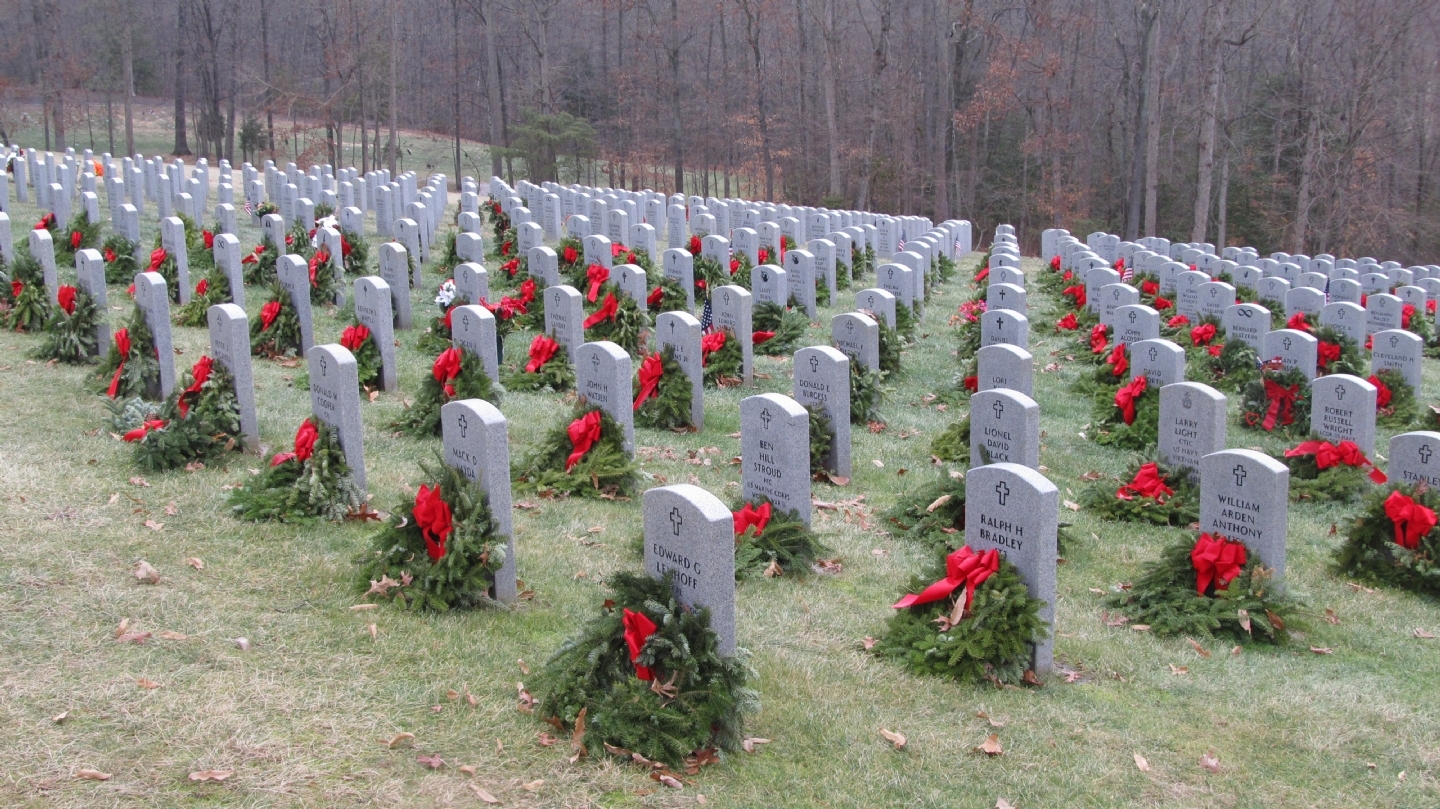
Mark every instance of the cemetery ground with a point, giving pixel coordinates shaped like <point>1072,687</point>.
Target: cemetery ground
<point>312,708</point>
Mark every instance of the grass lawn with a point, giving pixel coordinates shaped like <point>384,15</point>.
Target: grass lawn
<point>302,717</point>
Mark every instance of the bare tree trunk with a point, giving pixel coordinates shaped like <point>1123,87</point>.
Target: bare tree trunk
<point>1304,195</point>
<point>182,146</point>
<point>1147,61</point>
<point>127,65</point>
<point>492,88</point>
<point>1215,41</point>
<point>941,126</point>
<point>1152,133</point>
<point>455,86</point>
<point>832,126</point>
<point>1223,215</point>
<point>882,57</point>
<point>393,147</point>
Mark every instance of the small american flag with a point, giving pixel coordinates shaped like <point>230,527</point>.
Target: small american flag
<point>1126,274</point>
<point>249,207</point>
<point>706,321</point>
<point>900,245</point>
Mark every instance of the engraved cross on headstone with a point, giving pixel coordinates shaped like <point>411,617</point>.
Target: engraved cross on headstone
<point>464,425</point>
<point>676,520</point>
<point>1425,453</point>
<point>765,417</point>
<point>1240,473</point>
<point>814,363</point>
<point>1339,392</point>
<point>1286,343</point>
<point>999,408</point>
<point>1002,491</point>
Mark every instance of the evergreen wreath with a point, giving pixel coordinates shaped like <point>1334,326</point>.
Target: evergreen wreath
<point>981,278</point>
<point>822,437</point>
<point>933,513</point>
<point>667,296</point>
<point>324,276</point>
<point>311,483</point>
<point>723,359</point>
<point>1322,471</point>
<point>1173,598</point>
<point>437,338</point>
<point>70,331</point>
<point>297,240</point>
<point>259,265</point>
<point>131,368</point>
<point>662,392</point>
<point>200,422</point>
<point>25,294</point>
<point>1157,494</point>
<point>1395,405</point>
<point>1336,353</point>
<point>1394,541</point>
<point>456,374</point>
<point>439,550</point>
<point>771,541</point>
<point>708,275</point>
<point>276,333</point>
<point>212,289</point>
<point>80,235</point>
<point>784,326</point>
<point>1236,366</point>
<point>646,677</point>
<point>266,208</point>
<point>120,264</point>
<point>162,262</point>
<point>570,255</point>
<point>323,211</point>
<point>354,253</point>
<point>1111,371</point>
<point>967,327</point>
<point>822,291</point>
<point>582,457</point>
<point>47,223</point>
<point>449,256</point>
<point>970,619</point>
<point>906,321</point>
<point>740,269</point>
<point>890,346</point>
<point>358,340</point>
<point>505,243</point>
<point>862,262</point>
<point>1277,402</point>
<point>548,368</point>
<point>1141,403</point>
<point>617,319</point>
<point>952,444</point>
<point>945,268</point>
<point>1422,326</point>
<point>865,394</point>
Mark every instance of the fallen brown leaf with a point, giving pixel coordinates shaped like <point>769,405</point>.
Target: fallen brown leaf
<point>484,796</point>
<point>1072,505</point>
<point>991,745</point>
<point>1141,763</point>
<point>195,562</point>
<point>527,702</point>
<point>577,737</point>
<point>750,742</point>
<point>533,785</point>
<point>146,574</point>
<point>134,637</point>
<point>1422,634</point>
<point>994,723</point>
<point>1331,617</point>
<point>546,740</point>
<point>1091,475</point>
<point>431,762</point>
<point>939,501</point>
<point>897,739</point>
<point>1001,803</point>
<point>468,769</point>
<point>154,526</point>
<point>1140,627</point>
<point>171,510</point>
<point>1275,620</point>
<point>1322,650</point>
<point>60,717</point>
<point>831,566</point>
<point>868,642</point>
<point>773,569</point>
<point>211,775</point>
<point>171,634</point>
<point>1209,761</point>
<point>93,775</point>
<point>1200,650</point>
<point>141,482</point>
<point>400,738</point>
<point>1244,620</point>
<point>147,684</point>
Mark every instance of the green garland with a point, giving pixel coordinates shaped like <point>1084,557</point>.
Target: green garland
<point>298,237</point>
<point>1340,483</point>
<point>906,322</point>
<point>669,408</point>
<point>862,262</point>
<point>933,514</point>
<point>992,641</point>
<point>605,470</point>
<point>322,210</point>
<point>123,267</point>
<point>262,269</point>
<point>1402,409</point>
<point>1254,406</point>
<point>1236,366</point>
<point>822,437</point>
<point>70,338</point>
<point>946,267</point>
<point>30,310</point>
<point>1420,324</point>
<point>170,271</point>
<point>197,311</point>
<point>1110,430</point>
<point>726,365</point>
<point>1371,553</point>
<point>295,491</point>
<point>626,328</point>
<point>865,394</point>
<point>967,335</point>
<point>822,291</point>
<point>786,542</point>
<point>464,576</point>
<point>423,417</point>
<point>1179,509</point>
<point>210,429</point>
<point>788,325</point>
<point>697,701</point>
<point>141,375</point>
<point>555,375</point>
<point>282,339</point>
<point>952,444</point>
<point>1164,598</point>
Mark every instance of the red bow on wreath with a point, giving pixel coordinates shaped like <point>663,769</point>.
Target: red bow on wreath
<point>1178,321</point>
<point>656,295</point>
<point>749,515</point>
<point>111,256</point>
<point>45,222</point>
<point>1077,292</point>
<point>607,311</point>
<point>1298,321</point>
<point>446,368</point>
<point>1098,339</point>
<point>763,255</point>
<point>200,372</point>
<point>1326,353</point>
<point>321,256</point>
<point>268,313</point>
<point>1326,454</point>
<point>651,369</point>
<point>983,274</point>
<point>1055,263</point>
<point>638,630</point>
<point>1126,397</point>
<point>157,257</point>
<point>583,432</point>
<point>756,338</point>
<point>1150,287</point>
<point>709,344</point>
<point>304,444</point>
<point>596,275</point>
<point>433,516</point>
<point>1412,520</point>
<point>1202,335</point>
<point>571,255</point>
<point>1161,304</point>
<point>1217,560</point>
<point>1282,404</point>
<point>122,346</point>
<point>963,568</point>
<point>354,336</point>
<point>75,238</point>
<point>527,291</point>
<point>1383,393</point>
<point>542,348</point>
<point>209,239</point>
<point>1118,359</point>
<point>140,432</point>
<point>1068,323</point>
<point>1148,483</point>
<point>66,298</point>
<point>695,245</point>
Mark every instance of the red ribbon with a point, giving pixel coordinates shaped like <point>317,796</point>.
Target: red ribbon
<point>1126,397</point>
<point>1383,393</point>
<point>1148,483</point>
<point>1326,353</point>
<point>542,348</point>
<point>1412,520</point>
<point>1298,321</point>
<point>584,432</point>
<point>1068,323</point>
<point>1407,311</point>
<point>1282,404</point>
<point>433,516</point>
<point>1161,304</point>
<point>749,515</point>
<point>763,255</point>
<point>695,247</point>
<point>447,365</point>
<point>638,630</point>
<point>651,369</point>
<point>1055,263</point>
<point>66,297</point>
<point>157,257</point>
<point>1217,560</point>
<point>1150,287</point>
<point>1202,335</point>
<point>1327,455</point>
<point>971,383</point>
<point>756,338</point>
<point>75,238</point>
<point>963,568</point>
<point>1098,339</point>
<point>1118,359</point>
<point>983,274</point>
<point>122,345</point>
<point>527,291</point>
<point>355,336</point>
<point>709,344</point>
<point>322,255</point>
<point>268,313</point>
<point>139,433</point>
<point>596,275</point>
<point>656,295</point>
<point>110,256</point>
<point>200,373</point>
<point>209,239</point>
<point>571,255</point>
<point>616,249</point>
<point>1178,321</point>
<point>305,440</point>
<point>1077,292</point>
<point>607,311</point>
